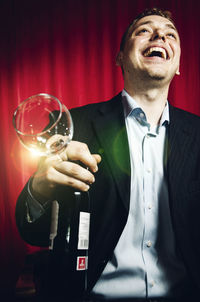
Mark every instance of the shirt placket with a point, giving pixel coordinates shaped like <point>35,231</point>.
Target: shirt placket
<point>149,210</point>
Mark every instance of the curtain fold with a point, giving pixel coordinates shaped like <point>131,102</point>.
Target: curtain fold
<point>68,49</point>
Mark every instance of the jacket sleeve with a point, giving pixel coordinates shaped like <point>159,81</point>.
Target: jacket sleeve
<point>33,221</point>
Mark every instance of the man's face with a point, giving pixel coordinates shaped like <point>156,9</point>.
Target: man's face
<point>152,49</point>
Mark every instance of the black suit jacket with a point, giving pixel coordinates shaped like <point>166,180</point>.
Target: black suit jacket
<point>102,127</point>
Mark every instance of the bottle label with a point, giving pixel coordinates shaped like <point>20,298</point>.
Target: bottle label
<point>83,231</point>
<point>82,263</point>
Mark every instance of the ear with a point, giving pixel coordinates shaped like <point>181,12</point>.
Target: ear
<point>119,58</point>
<point>178,72</point>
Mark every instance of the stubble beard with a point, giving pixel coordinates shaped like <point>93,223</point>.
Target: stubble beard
<point>154,78</point>
<point>147,77</point>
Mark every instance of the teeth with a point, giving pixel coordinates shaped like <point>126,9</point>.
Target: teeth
<point>157,49</point>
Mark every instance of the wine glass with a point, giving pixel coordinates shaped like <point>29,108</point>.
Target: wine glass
<point>43,125</point>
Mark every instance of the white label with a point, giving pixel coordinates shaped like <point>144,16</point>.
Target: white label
<point>83,232</point>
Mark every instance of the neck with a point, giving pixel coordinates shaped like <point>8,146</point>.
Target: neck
<point>152,101</point>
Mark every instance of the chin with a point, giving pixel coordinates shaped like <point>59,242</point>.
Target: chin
<point>158,75</point>
<point>155,76</point>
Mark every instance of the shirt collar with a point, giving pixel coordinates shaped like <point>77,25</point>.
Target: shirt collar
<point>131,107</point>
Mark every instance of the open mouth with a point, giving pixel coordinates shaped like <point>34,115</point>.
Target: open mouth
<point>156,52</point>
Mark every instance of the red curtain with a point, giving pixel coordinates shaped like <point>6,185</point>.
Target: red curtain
<point>68,49</point>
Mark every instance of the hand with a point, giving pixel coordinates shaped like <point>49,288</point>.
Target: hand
<point>63,169</point>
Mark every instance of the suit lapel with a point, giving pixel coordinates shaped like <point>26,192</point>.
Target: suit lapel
<point>111,132</point>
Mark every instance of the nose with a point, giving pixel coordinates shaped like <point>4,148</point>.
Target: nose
<point>158,35</point>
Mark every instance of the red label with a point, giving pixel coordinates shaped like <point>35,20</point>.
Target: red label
<point>81,263</point>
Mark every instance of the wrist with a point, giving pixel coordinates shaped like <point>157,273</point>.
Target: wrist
<point>41,192</point>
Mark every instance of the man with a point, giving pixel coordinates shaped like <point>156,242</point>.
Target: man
<point>144,198</point>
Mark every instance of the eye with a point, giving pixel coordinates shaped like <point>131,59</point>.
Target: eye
<point>142,31</point>
<point>171,35</point>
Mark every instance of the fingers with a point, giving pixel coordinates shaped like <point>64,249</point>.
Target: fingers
<point>64,168</point>
<point>58,176</point>
<point>97,158</point>
<point>77,151</point>
<point>76,171</point>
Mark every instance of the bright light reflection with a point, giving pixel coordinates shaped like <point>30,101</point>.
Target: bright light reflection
<point>35,152</point>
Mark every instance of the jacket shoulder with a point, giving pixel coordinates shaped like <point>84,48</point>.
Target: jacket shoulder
<point>92,107</point>
<point>184,116</point>
<point>85,117</point>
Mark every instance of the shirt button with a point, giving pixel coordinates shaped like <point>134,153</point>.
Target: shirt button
<point>150,206</point>
<point>149,170</point>
<point>141,114</point>
<point>152,283</point>
<point>149,243</point>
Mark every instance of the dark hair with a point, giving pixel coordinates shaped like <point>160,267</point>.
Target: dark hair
<point>147,12</point>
